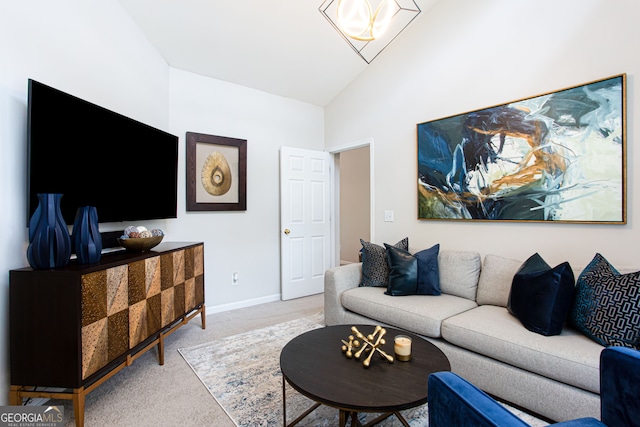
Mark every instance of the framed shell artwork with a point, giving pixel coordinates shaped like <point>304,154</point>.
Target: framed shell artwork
<point>216,173</point>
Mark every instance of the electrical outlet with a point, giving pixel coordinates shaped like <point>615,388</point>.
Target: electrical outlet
<point>234,279</point>
<point>388,216</point>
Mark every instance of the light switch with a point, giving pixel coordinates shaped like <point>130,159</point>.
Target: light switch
<point>388,216</point>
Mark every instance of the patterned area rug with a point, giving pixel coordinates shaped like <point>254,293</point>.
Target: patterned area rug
<point>242,372</point>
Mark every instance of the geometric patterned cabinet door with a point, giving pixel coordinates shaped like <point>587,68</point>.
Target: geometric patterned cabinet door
<point>125,305</point>
<point>76,326</point>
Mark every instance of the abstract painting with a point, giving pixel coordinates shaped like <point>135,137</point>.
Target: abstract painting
<point>556,157</point>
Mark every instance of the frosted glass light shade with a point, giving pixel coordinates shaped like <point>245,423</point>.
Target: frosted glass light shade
<point>369,25</point>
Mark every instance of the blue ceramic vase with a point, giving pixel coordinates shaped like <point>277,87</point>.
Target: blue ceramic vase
<point>85,236</point>
<point>49,240</point>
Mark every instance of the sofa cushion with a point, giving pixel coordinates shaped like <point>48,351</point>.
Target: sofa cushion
<point>541,296</point>
<point>606,306</point>
<point>459,272</point>
<point>375,270</point>
<point>496,279</point>
<point>403,272</point>
<point>492,331</point>
<point>421,314</point>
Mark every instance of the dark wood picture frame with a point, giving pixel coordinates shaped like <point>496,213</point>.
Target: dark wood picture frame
<point>216,164</point>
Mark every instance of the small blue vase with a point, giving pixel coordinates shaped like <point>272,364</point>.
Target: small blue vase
<point>49,240</point>
<point>86,237</point>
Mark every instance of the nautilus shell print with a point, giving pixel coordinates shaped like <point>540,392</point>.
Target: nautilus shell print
<point>216,174</point>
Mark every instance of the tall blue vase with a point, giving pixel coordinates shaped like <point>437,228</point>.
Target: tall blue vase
<point>86,237</point>
<point>49,240</point>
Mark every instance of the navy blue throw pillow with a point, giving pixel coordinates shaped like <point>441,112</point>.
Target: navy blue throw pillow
<point>403,272</point>
<point>428,271</point>
<point>541,296</point>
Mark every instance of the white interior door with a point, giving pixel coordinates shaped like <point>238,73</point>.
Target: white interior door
<point>305,221</point>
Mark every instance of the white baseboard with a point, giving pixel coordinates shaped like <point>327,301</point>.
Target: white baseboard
<point>242,304</point>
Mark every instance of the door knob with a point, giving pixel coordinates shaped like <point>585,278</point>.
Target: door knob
<point>287,231</point>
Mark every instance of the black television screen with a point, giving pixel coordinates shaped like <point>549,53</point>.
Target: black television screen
<point>96,157</point>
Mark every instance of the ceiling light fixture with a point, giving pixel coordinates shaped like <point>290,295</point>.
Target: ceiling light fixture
<point>369,25</point>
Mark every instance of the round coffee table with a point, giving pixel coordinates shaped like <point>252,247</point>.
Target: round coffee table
<point>314,365</point>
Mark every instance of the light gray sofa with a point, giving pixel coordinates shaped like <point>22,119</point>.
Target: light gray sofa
<point>556,377</point>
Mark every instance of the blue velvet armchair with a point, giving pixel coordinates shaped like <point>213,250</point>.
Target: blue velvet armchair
<point>454,402</point>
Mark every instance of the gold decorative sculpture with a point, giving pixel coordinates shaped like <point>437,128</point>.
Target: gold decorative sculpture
<point>349,346</point>
<point>370,343</point>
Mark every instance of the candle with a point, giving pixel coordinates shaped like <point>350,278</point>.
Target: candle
<point>402,347</point>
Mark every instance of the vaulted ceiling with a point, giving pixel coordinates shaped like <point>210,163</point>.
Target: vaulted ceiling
<point>283,47</point>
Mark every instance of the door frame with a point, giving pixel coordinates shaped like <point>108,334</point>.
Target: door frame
<point>335,200</point>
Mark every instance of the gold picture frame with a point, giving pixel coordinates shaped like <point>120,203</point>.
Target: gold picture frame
<point>559,157</point>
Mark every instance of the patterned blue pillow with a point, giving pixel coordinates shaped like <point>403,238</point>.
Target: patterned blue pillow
<point>606,306</point>
<point>375,270</point>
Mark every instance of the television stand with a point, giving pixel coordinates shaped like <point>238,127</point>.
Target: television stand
<point>73,328</point>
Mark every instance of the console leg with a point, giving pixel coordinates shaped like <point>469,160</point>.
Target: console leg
<point>14,396</point>
<point>78,406</point>
<point>203,317</point>
<point>161,349</point>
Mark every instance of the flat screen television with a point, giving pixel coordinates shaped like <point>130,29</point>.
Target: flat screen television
<point>97,157</point>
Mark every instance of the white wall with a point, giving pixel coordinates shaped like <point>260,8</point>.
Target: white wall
<point>246,242</point>
<point>464,55</point>
<point>94,51</point>
<point>90,49</point>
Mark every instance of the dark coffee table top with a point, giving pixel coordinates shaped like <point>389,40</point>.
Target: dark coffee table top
<point>314,364</point>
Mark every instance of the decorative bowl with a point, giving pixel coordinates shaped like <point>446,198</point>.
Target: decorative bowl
<point>140,244</point>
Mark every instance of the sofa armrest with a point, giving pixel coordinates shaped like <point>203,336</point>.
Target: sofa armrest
<point>453,401</point>
<point>620,386</point>
<point>336,281</point>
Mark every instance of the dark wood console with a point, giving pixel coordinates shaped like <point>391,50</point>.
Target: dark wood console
<point>72,328</point>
